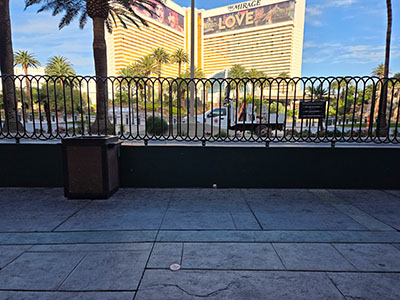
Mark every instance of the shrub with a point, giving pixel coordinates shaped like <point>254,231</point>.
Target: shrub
<point>292,132</point>
<point>222,134</point>
<point>156,126</point>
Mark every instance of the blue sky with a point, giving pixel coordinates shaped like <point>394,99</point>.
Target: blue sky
<point>342,37</point>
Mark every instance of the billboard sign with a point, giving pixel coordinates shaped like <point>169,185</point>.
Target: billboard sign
<point>249,14</point>
<point>164,15</point>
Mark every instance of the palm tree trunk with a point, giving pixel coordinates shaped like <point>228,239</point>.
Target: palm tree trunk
<point>100,61</point>
<point>180,69</point>
<point>46,106</point>
<point>382,122</point>
<point>28,90</point>
<point>159,81</point>
<point>7,68</point>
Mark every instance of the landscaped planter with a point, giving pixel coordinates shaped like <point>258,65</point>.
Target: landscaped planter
<point>91,167</point>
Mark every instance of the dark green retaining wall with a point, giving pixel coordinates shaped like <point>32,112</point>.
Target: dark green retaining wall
<point>240,167</point>
<point>40,165</point>
<point>31,165</point>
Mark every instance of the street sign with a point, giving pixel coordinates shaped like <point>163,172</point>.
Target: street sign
<point>312,110</point>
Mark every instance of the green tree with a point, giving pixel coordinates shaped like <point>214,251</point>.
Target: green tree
<point>255,74</point>
<point>26,60</point>
<point>7,69</point>
<point>379,71</point>
<point>104,13</point>
<point>125,83</point>
<point>283,75</point>
<point>161,57</point>
<point>60,66</point>
<point>147,66</point>
<point>237,72</point>
<point>180,57</point>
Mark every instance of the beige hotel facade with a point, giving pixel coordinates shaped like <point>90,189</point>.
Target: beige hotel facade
<point>266,35</point>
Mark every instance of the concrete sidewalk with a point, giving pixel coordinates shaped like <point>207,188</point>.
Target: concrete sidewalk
<point>230,244</point>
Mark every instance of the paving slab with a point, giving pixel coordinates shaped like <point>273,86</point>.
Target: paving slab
<point>165,254</point>
<point>160,196</point>
<point>367,286</point>
<point>395,193</point>
<point>108,271</point>
<point>128,209</point>
<point>236,285</point>
<point>38,271</point>
<point>353,212</point>
<point>22,214</point>
<point>209,200</point>
<point>260,195</point>
<point>175,219</point>
<point>231,256</point>
<point>297,210</point>
<point>371,257</point>
<point>383,206</point>
<point>312,257</point>
<point>65,296</point>
<point>17,194</point>
<point>245,220</point>
<point>9,253</point>
<point>118,215</point>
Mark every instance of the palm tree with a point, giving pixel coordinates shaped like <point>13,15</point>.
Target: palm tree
<point>161,57</point>
<point>104,13</point>
<point>7,68</point>
<point>26,60</point>
<point>254,74</point>
<point>61,67</point>
<point>180,57</point>
<point>283,75</point>
<point>130,71</point>
<point>382,123</point>
<point>148,66</point>
<point>379,71</point>
<point>318,92</point>
<point>125,73</point>
<point>237,72</point>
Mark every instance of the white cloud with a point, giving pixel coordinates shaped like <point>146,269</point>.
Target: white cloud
<point>314,12</point>
<point>337,53</point>
<point>339,3</point>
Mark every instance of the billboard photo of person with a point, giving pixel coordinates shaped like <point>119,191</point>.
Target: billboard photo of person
<point>173,21</point>
<point>160,14</point>
<point>163,15</point>
<point>145,11</point>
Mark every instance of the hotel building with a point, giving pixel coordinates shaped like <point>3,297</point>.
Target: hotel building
<point>266,35</point>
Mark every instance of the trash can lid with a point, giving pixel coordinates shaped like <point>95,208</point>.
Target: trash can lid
<point>90,140</point>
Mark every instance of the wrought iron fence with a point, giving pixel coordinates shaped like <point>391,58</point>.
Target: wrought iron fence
<point>314,110</point>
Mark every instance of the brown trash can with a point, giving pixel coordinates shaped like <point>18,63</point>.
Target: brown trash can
<point>91,167</point>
